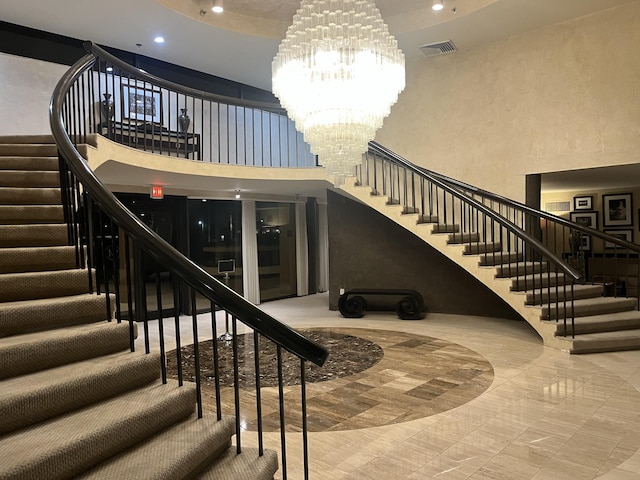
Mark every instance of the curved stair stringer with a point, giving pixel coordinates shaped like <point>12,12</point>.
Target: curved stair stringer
<point>470,263</point>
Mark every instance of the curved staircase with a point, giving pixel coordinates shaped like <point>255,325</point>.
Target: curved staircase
<point>74,400</point>
<point>601,323</point>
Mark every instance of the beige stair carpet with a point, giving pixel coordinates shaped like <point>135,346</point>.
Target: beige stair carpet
<point>74,401</point>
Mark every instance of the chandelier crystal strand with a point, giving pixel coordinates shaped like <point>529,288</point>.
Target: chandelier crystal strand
<point>337,73</point>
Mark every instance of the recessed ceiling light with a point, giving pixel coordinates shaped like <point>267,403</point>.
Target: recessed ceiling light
<point>437,5</point>
<point>217,6</point>
<point>159,39</point>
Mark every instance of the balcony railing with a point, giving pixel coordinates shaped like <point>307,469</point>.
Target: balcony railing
<point>131,107</point>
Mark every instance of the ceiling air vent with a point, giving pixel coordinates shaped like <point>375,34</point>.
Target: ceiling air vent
<point>439,48</point>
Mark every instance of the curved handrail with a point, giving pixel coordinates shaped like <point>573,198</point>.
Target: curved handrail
<point>526,208</point>
<point>161,250</point>
<point>91,47</point>
<point>376,148</point>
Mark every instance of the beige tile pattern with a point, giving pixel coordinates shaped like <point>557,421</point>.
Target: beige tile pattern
<point>418,376</point>
<point>547,415</point>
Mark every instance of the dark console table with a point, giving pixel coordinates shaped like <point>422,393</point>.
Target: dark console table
<point>153,138</point>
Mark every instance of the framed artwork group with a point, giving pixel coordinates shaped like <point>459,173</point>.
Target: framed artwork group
<point>617,213</point>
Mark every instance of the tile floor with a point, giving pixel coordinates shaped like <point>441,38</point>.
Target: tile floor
<point>546,415</point>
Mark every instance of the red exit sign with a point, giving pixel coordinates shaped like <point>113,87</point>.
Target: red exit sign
<point>157,192</point>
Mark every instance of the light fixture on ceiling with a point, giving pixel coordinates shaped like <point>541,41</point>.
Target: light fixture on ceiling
<point>159,39</point>
<point>237,194</point>
<point>337,73</point>
<point>218,7</point>
<point>437,5</point>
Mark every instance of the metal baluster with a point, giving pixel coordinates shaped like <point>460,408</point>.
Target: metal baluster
<point>236,381</point>
<point>196,352</point>
<point>176,320</point>
<point>129,290</point>
<point>283,441</point>
<point>256,357</point>
<point>105,277</point>
<point>141,293</point>
<point>163,363</point>
<point>305,428</point>
<point>216,362</point>
<point>115,249</point>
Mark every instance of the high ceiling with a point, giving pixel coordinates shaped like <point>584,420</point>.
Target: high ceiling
<point>240,43</point>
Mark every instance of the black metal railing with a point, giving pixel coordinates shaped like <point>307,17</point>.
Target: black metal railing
<point>601,258</point>
<point>131,107</point>
<point>114,245</point>
<point>547,254</point>
<point>480,230</point>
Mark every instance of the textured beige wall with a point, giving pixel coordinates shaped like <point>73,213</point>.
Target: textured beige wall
<point>559,98</point>
<point>26,86</point>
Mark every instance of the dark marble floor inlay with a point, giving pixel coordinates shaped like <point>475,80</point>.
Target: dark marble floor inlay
<point>349,355</point>
<point>418,376</point>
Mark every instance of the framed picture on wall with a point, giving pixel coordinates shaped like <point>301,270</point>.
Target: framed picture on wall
<point>139,102</point>
<point>617,210</point>
<point>586,219</point>
<point>621,234</point>
<point>583,202</point>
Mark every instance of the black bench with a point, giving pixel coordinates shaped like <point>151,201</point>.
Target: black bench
<point>410,306</point>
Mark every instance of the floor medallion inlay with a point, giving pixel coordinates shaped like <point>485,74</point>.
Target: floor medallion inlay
<point>372,378</point>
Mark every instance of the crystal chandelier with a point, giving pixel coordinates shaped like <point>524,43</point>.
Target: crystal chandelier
<point>337,73</point>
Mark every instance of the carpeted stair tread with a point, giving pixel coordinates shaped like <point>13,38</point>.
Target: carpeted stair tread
<point>411,211</point>
<point>479,248</point>
<point>179,452</point>
<point>500,258</point>
<point>22,354</point>
<point>90,139</point>
<point>509,270</point>
<point>580,291</point>
<point>28,149</point>
<point>28,316</point>
<point>32,285</point>
<point>69,445</point>
<point>33,259</point>
<point>30,179</point>
<point>30,214</point>
<point>424,219</point>
<point>29,163</point>
<point>459,238</point>
<point>529,282</point>
<point>34,398</point>
<point>445,228</point>
<point>22,139</point>
<point>605,341</point>
<point>38,235</point>
<point>29,196</point>
<point>591,306</point>
<point>246,466</point>
<point>627,320</point>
